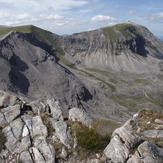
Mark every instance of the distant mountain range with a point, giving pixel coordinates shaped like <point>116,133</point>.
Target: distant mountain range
<point>110,72</point>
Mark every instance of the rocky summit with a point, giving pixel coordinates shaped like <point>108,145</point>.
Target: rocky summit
<point>87,97</point>
<point>37,133</point>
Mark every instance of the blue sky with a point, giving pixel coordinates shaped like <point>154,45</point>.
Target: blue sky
<point>72,16</point>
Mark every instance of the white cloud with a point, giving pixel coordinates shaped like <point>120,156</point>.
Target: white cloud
<point>44,5</point>
<point>157,17</point>
<point>47,14</point>
<point>54,17</point>
<point>131,12</point>
<point>154,18</point>
<point>85,11</point>
<point>24,19</point>
<point>101,18</point>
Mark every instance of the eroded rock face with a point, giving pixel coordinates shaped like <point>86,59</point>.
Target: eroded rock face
<point>37,155</point>
<point>135,159</point>
<point>54,109</point>
<point>38,128</point>
<point>118,150</point>
<point>27,137</point>
<point>20,71</point>
<point>61,132</point>
<point>125,140</point>
<point>2,119</point>
<point>46,149</point>
<point>33,133</point>
<point>129,139</point>
<point>87,49</point>
<point>38,106</point>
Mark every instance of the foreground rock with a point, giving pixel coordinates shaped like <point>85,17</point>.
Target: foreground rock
<point>33,134</point>
<point>37,133</point>
<point>62,133</point>
<point>126,146</point>
<point>76,114</point>
<point>55,109</point>
<point>11,112</point>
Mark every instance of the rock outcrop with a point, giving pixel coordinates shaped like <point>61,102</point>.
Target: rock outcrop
<point>41,136</point>
<point>130,144</point>
<point>35,135</point>
<point>76,114</point>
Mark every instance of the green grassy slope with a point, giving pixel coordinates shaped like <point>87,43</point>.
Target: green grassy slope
<point>127,30</point>
<point>40,34</point>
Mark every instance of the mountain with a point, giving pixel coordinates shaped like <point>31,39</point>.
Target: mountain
<point>29,67</point>
<point>128,47</point>
<point>61,97</point>
<point>110,72</point>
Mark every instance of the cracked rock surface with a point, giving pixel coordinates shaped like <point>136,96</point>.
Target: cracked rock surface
<point>33,134</point>
<point>132,145</point>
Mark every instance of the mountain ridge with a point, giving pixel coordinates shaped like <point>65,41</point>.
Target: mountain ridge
<point>106,48</point>
<point>80,70</point>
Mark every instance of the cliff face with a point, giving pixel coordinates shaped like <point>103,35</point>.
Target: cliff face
<point>28,68</point>
<point>127,47</point>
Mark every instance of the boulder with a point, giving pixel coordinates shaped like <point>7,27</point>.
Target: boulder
<point>61,133</point>
<point>7,99</point>
<point>122,142</point>
<point>153,133</point>
<point>11,112</point>
<point>54,109</point>
<point>116,150</point>
<point>129,138</point>
<point>25,157</point>
<point>38,128</point>
<point>76,114</point>
<point>150,152</point>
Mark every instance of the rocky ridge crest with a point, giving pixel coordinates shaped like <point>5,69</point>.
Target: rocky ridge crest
<point>127,47</point>
<point>38,133</point>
